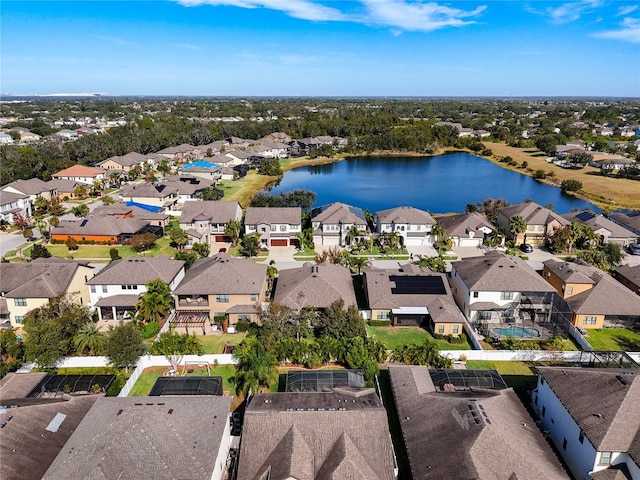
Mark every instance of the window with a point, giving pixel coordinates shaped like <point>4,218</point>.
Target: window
<point>20,302</point>
<point>475,294</point>
<point>605,458</point>
<point>506,295</point>
<point>440,328</point>
<point>19,318</point>
<point>569,290</point>
<point>243,318</point>
<point>124,287</point>
<point>581,437</point>
<point>283,228</point>
<point>104,289</point>
<point>382,316</point>
<point>254,297</point>
<point>222,298</point>
<point>564,444</point>
<point>589,321</point>
<point>455,329</point>
<point>93,288</point>
<point>274,228</point>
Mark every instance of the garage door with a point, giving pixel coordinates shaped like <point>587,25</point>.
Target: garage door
<point>279,242</point>
<point>221,238</point>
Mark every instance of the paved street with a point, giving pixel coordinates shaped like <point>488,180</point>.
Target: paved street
<point>10,241</point>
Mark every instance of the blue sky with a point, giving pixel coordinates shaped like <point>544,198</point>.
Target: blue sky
<point>321,48</point>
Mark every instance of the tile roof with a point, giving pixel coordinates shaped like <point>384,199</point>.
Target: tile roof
<point>144,438</point>
<point>45,279</point>
<point>603,402</point>
<point>338,213</point>
<point>79,171</point>
<point>444,439</point>
<point>223,274</point>
<point>309,436</point>
<point>408,215</point>
<point>271,215</point>
<point>217,212</point>
<point>315,286</point>
<point>138,271</point>
<point>461,224</point>
<point>533,213</point>
<point>497,272</point>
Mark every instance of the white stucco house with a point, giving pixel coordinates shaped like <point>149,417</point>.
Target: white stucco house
<point>412,224</point>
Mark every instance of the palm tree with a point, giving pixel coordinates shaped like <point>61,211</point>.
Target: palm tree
<point>89,339</point>
<point>517,226</point>
<point>232,230</point>
<point>155,302</point>
<point>494,238</point>
<point>359,263</point>
<point>256,368</point>
<point>437,232</point>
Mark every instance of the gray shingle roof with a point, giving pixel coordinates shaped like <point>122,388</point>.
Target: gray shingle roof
<point>32,186</point>
<point>311,436</point>
<point>533,213</point>
<point>138,271</point>
<point>223,274</point>
<point>336,213</point>
<point>598,222</point>
<point>100,225</point>
<point>631,273</point>
<point>461,224</point>
<point>444,441</point>
<point>496,272</point>
<point>44,279</point>
<point>219,212</point>
<point>10,197</point>
<point>271,215</point>
<point>589,391</point>
<point>148,190</point>
<point>409,215</point>
<point>150,438</point>
<point>315,286</point>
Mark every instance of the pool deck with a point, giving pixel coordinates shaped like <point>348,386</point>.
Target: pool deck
<point>544,331</point>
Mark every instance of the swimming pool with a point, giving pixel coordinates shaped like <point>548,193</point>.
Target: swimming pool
<point>517,332</point>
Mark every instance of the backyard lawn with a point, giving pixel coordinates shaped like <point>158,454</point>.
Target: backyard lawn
<point>518,375</point>
<point>620,339</point>
<point>215,343</point>
<point>396,336</point>
<point>162,247</point>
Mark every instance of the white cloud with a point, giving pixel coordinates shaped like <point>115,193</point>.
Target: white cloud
<point>302,9</point>
<point>399,15</point>
<point>417,16</point>
<point>567,12</point>
<point>629,31</point>
<point>622,11</point>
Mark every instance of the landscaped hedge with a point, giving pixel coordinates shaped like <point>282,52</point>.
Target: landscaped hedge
<point>461,340</point>
<point>151,329</point>
<point>242,325</point>
<point>379,323</point>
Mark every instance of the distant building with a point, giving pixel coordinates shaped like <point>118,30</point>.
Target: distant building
<point>81,173</point>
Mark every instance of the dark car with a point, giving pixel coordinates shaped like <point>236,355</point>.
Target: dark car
<point>634,249</point>
<point>526,248</point>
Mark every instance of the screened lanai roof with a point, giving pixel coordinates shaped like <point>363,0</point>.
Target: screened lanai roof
<point>323,380</point>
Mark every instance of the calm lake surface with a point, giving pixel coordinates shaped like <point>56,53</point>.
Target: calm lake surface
<point>440,184</point>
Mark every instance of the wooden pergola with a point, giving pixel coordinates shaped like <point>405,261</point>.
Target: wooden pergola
<point>191,319</point>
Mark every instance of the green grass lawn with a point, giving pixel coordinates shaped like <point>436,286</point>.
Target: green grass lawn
<point>215,343</point>
<point>519,375</point>
<point>395,336</point>
<point>148,378</point>
<point>162,247</point>
<point>618,339</point>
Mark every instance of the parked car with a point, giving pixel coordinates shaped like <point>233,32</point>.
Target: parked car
<point>526,248</point>
<point>634,249</point>
<point>222,250</point>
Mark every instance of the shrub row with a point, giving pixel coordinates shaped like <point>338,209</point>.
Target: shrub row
<point>379,323</point>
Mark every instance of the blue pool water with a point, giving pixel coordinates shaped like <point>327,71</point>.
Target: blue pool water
<point>517,332</point>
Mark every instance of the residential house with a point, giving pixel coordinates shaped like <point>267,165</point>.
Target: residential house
<point>609,231</point>
<point>413,296</point>
<point>130,210</point>
<point>592,299</point>
<point>303,146</point>
<point>629,276</point>
<point>66,134</point>
<point>332,223</point>
<point>6,139</point>
<point>541,222</point>
<point>593,419</point>
<point>630,222</point>
<point>183,152</point>
<point>339,433</point>
<point>614,163</point>
<point>236,142</point>
<point>221,289</point>
<point>12,204</point>
<point>271,149</point>
<point>202,169</point>
<point>152,194</point>
<point>411,224</point>
<point>279,137</point>
<point>34,187</point>
<point>115,289</point>
<point>241,157</point>
<point>187,186</point>
<point>107,443</point>
<point>205,221</point>
<point>26,286</point>
<point>467,425</point>
<point>500,295</point>
<point>466,229</point>
<point>124,163</point>
<point>278,227</point>
<point>36,427</point>
<point>315,286</point>
<point>107,229</point>
<point>81,173</point>
<point>64,189</point>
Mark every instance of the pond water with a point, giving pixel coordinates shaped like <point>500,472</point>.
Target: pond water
<point>439,184</point>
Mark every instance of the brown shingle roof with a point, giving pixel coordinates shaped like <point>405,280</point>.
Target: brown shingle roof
<point>100,225</point>
<point>271,215</point>
<point>148,190</point>
<point>315,286</point>
<point>217,212</point>
<point>138,271</point>
<point>443,439</point>
<point>533,213</point>
<point>461,224</point>
<point>223,274</point>
<point>336,213</point>
<point>314,436</point>
<point>409,215</point>
<point>44,279</point>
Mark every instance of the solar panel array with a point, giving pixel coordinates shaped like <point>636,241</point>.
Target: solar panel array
<point>465,379</point>
<point>586,215</point>
<point>417,285</point>
<point>186,386</point>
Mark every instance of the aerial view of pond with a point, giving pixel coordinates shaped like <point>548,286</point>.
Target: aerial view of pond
<point>440,184</point>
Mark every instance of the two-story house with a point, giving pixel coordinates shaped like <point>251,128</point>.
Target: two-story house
<point>590,298</point>
<point>466,229</point>
<point>33,187</point>
<point>154,195</point>
<point>187,186</point>
<point>124,163</point>
<point>12,204</point>
<point>331,223</point>
<point>202,169</point>
<point>541,222</point>
<point>629,276</point>
<point>205,221</point>
<point>220,290</point>
<point>609,231</point>
<point>412,224</point>
<point>81,173</point>
<point>277,226</point>
<point>501,296</point>
<point>593,418</point>
<point>25,286</point>
<point>114,291</point>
